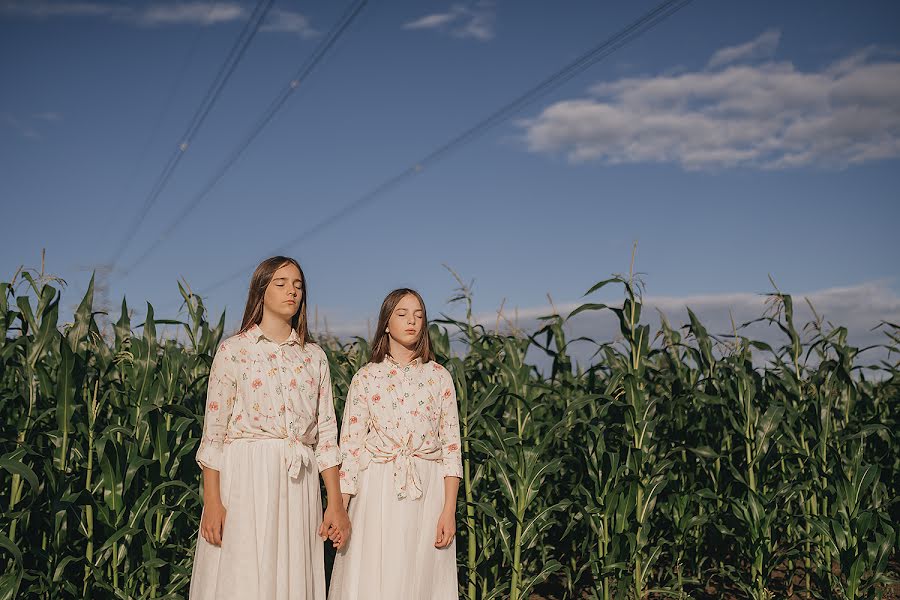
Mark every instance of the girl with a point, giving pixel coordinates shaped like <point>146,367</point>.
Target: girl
<point>400,446</point>
<point>269,429</point>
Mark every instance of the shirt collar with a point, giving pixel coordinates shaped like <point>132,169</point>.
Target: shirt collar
<point>413,363</point>
<point>256,334</point>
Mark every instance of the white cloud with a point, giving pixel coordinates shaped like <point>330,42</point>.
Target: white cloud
<point>289,22</point>
<point>762,47</point>
<point>43,9</point>
<point>770,115</point>
<point>431,21</point>
<point>48,116</point>
<point>200,12</point>
<point>190,13</point>
<point>21,127</point>
<point>475,21</point>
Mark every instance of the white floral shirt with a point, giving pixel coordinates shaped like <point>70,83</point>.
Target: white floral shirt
<point>394,413</point>
<point>262,389</point>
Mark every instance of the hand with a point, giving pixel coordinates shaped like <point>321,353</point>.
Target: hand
<point>446,529</point>
<point>335,525</point>
<point>212,523</point>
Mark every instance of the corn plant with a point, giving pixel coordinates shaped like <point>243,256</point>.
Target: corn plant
<point>673,462</point>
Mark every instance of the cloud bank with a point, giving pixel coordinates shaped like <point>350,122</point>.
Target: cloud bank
<point>743,109</point>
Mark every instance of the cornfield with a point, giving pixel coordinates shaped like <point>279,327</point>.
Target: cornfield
<point>677,464</point>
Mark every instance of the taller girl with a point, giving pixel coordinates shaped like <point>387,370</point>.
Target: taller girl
<point>269,430</point>
<point>400,446</point>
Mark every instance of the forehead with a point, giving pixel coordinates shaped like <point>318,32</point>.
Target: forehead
<point>408,302</point>
<point>288,271</point>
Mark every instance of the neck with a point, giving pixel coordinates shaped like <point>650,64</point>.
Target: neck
<point>400,353</point>
<point>275,328</point>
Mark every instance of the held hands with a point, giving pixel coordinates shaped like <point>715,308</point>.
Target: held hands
<point>446,529</point>
<point>212,522</point>
<point>335,525</point>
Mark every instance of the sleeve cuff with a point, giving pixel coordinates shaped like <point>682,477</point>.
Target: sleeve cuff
<point>452,468</point>
<point>210,455</point>
<point>328,458</point>
<point>348,486</point>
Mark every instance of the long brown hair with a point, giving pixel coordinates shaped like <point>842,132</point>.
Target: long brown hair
<point>381,343</point>
<point>262,277</point>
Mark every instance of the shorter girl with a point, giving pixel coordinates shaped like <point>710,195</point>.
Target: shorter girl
<point>400,447</point>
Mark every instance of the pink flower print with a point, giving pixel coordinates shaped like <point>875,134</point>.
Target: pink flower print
<point>293,384</point>
<point>415,413</point>
<point>447,393</point>
<point>256,418</point>
<point>353,420</point>
<point>309,381</point>
<point>272,356</point>
<point>376,398</point>
<point>213,406</point>
<point>392,372</point>
<point>222,347</point>
<point>453,447</point>
<point>257,383</point>
<point>238,418</point>
<point>281,409</point>
<point>343,475</point>
<point>307,360</point>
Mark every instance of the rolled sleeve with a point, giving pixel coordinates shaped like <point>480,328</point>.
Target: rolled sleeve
<point>220,398</point>
<point>448,430</point>
<point>328,453</point>
<point>353,434</point>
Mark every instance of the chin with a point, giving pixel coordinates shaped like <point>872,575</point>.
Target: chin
<point>286,313</point>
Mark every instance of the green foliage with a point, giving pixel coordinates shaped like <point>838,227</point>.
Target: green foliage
<point>673,461</point>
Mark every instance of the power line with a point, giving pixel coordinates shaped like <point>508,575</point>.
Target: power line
<point>167,105</point>
<point>305,70</point>
<point>212,95</point>
<point>583,62</point>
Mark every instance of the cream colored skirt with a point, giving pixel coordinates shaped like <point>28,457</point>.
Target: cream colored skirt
<point>391,554</point>
<point>270,548</point>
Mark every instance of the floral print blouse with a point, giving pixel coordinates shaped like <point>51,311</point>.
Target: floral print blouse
<point>394,413</point>
<point>262,389</point>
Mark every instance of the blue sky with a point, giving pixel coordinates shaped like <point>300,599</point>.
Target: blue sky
<point>732,141</point>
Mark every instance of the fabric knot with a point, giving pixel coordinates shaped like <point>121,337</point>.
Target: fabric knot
<point>407,482</point>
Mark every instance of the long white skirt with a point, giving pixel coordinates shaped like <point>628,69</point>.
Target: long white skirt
<point>270,548</point>
<point>391,554</point>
